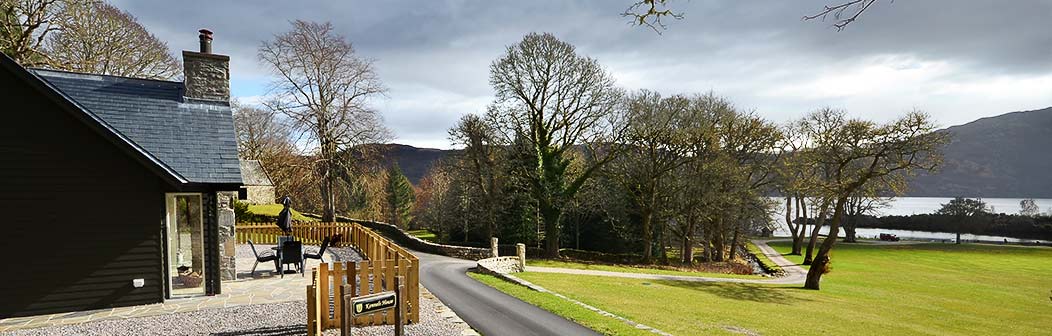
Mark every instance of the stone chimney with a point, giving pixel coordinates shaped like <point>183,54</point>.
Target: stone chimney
<point>207,75</point>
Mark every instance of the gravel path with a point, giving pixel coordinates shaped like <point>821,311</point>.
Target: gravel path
<point>272,319</point>
<point>794,273</point>
<point>286,318</point>
<point>266,319</point>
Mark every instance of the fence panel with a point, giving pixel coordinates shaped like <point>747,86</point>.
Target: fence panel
<point>383,261</point>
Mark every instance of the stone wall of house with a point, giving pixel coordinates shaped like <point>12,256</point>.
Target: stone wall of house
<point>260,195</point>
<point>500,265</point>
<point>207,76</point>
<point>227,242</point>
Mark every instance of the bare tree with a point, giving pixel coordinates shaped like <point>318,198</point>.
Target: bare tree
<point>554,100</point>
<point>325,89</point>
<point>649,13</point>
<point>843,13</point>
<point>1029,208</point>
<point>102,39</point>
<point>654,148</point>
<point>479,165</point>
<point>263,136</point>
<point>26,24</point>
<point>865,201</point>
<point>856,153</point>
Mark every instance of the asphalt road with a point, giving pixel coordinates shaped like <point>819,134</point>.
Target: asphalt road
<point>485,309</point>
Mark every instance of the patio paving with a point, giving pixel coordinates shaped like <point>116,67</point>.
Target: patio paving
<point>265,287</point>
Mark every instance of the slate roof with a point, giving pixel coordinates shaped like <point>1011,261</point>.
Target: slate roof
<point>253,174</point>
<point>194,138</point>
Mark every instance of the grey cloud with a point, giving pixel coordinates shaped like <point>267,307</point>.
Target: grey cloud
<point>435,54</point>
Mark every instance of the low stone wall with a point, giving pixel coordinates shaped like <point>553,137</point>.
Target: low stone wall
<point>500,265</point>
<point>408,241</point>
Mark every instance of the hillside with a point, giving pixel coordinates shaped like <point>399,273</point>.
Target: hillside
<point>1002,156</point>
<point>414,161</point>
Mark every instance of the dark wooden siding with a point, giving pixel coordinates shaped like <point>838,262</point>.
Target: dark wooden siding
<point>79,218</point>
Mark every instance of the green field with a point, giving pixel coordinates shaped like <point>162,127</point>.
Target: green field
<point>632,269</point>
<point>425,235</point>
<point>273,210</point>
<point>929,289</point>
<point>602,324</point>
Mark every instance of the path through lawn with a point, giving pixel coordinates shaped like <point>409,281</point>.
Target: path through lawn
<point>873,290</point>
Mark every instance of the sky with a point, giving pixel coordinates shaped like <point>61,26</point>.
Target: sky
<point>954,59</point>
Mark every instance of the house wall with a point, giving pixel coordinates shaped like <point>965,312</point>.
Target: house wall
<point>260,195</point>
<point>81,218</point>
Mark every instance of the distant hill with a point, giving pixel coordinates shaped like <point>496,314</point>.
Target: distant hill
<point>414,161</point>
<point>1008,156</point>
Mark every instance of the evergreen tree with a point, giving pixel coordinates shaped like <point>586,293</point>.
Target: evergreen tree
<point>400,198</point>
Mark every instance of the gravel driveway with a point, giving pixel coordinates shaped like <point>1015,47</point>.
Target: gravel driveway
<point>287,318</point>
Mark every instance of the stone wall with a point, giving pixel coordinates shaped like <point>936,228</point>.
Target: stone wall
<point>227,241</point>
<point>413,243</point>
<point>206,76</point>
<point>260,195</point>
<point>500,265</point>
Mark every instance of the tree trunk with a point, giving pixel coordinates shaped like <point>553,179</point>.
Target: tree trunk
<point>664,241</point>
<point>801,215</point>
<point>819,221</point>
<point>328,195</point>
<point>706,249</point>
<point>550,215</point>
<point>687,257</point>
<point>648,237</point>
<point>821,262</point>
<point>717,241</point>
<point>849,229</point>
<point>734,243</point>
<point>789,223</point>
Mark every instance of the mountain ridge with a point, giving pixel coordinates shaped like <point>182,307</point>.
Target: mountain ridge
<point>1003,156</point>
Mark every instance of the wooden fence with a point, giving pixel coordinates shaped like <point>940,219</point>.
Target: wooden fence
<point>364,278</point>
<point>383,261</point>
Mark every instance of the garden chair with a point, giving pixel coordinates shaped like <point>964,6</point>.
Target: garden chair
<point>265,257</point>
<point>321,252</point>
<point>291,253</point>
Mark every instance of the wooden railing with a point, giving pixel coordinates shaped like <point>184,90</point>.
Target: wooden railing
<point>383,261</point>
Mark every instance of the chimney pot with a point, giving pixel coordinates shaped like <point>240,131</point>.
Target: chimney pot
<point>206,41</point>
<point>206,75</point>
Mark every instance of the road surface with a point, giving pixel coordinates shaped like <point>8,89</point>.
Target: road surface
<point>485,309</point>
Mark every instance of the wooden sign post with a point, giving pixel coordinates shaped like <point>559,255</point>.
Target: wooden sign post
<point>354,306</point>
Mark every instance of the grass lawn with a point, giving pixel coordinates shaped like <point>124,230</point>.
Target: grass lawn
<point>927,289</point>
<point>767,262</point>
<point>631,269</point>
<point>602,324</point>
<point>424,234</point>
<point>274,209</point>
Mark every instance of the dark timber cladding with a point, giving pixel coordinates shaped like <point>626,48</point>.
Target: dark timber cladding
<point>81,216</point>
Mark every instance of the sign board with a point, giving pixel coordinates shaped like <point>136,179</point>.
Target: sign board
<point>373,303</point>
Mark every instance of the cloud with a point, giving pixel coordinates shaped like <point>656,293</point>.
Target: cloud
<point>959,60</point>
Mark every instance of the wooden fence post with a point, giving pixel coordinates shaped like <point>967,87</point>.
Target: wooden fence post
<point>399,313</point>
<point>312,313</point>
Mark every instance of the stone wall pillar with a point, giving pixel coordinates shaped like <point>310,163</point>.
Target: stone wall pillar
<point>227,242</point>
<point>493,246</point>
<point>520,250</point>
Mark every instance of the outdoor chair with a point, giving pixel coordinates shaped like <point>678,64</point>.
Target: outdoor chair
<point>265,257</point>
<point>291,253</point>
<point>321,252</point>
